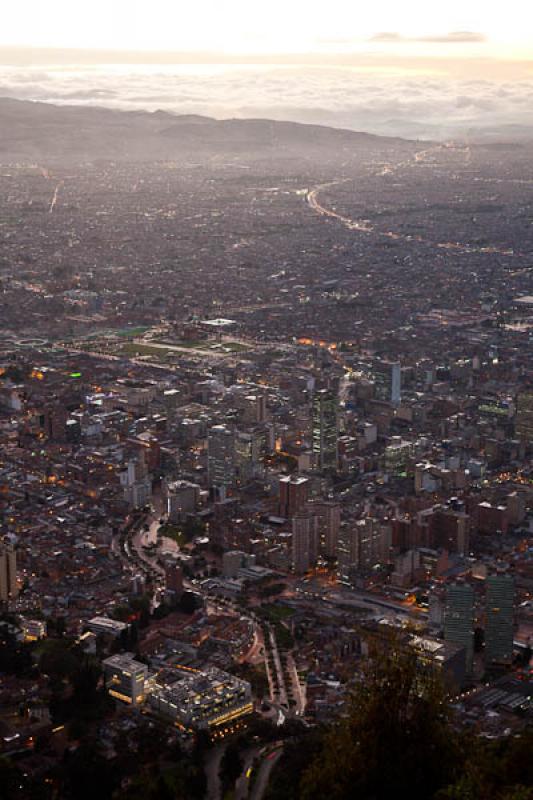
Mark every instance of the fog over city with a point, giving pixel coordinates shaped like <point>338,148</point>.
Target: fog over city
<point>372,99</point>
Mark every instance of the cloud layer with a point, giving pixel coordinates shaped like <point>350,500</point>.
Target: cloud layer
<point>416,106</point>
<point>454,37</point>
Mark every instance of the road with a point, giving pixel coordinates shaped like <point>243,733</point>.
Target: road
<point>270,679</point>
<point>298,689</point>
<point>283,699</point>
<point>243,781</point>
<point>53,201</point>
<point>136,543</point>
<point>365,226</point>
<point>212,769</point>
<point>256,653</point>
<point>264,773</point>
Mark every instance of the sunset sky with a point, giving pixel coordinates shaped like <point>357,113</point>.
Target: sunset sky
<point>414,28</point>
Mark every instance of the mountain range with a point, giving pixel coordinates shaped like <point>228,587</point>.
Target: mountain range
<point>42,131</point>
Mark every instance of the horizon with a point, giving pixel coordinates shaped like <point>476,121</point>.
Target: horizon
<point>389,70</point>
<point>239,29</point>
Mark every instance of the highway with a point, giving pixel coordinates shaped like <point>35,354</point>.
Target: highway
<point>365,226</point>
<point>53,201</point>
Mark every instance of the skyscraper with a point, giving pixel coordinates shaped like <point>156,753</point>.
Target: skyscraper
<point>249,448</point>
<point>255,408</point>
<point>8,573</point>
<point>329,522</point>
<point>500,618</point>
<point>304,541</point>
<point>325,430</point>
<point>346,553</point>
<point>293,494</point>
<point>524,416</point>
<point>174,578</point>
<point>459,619</point>
<point>360,547</point>
<point>387,381</point>
<point>221,458</point>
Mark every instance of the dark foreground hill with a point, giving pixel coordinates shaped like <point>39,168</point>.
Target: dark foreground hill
<point>41,131</point>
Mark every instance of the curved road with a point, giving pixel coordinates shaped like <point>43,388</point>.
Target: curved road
<point>263,776</point>
<point>365,226</point>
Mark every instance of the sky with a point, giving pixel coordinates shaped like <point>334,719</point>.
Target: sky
<point>414,68</point>
<point>336,28</point>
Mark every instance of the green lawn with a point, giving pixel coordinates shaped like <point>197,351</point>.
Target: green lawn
<point>173,532</point>
<point>133,331</point>
<point>132,349</point>
<point>186,344</point>
<point>277,613</point>
<point>207,344</point>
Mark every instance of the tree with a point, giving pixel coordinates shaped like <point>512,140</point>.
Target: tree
<point>58,660</point>
<point>188,603</point>
<point>15,657</point>
<point>87,774</point>
<point>395,739</point>
<point>231,766</point>
<point>500,770</point>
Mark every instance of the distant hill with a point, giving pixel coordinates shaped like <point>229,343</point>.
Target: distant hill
<point>41,131</point>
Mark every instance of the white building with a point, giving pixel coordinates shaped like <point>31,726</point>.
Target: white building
<point>125,678</point>
<point>208,700</point>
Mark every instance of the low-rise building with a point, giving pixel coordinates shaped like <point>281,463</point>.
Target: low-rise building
<point>125,678</point>
<point>209,700</point>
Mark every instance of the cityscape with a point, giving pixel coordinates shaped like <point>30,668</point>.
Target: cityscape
<point>266,460</point>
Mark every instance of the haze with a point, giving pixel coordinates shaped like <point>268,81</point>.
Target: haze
<point>417,28</point>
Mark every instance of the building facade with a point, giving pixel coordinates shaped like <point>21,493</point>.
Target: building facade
<point>325,432</point>
<point>459,619</point>
<point>499,626</point>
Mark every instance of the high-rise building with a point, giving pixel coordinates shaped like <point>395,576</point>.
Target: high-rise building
<point>500,620</point>
<point>8,573</point>
<point>369,549</point>
<point>406,568</point>
<point>170,400</point>
<point>182,498</point>
<point>232,561</point>
<point>255,408</point>
<point>325,429</point>
<point>304,541</point>
<point>360,547</point>
<point>329,522</point>
<point>459,619</point>
<point>249,448</point>
<point>136,482</point>
<point>387,381</point>
<point>293,495</point>
<point>346,554</point>
<point>221,458</point>
<point>524,416</point>
<point>436,611</point>
<point>174,578</point>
